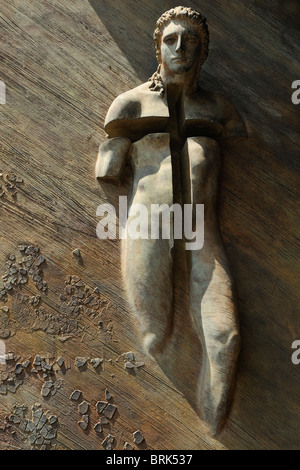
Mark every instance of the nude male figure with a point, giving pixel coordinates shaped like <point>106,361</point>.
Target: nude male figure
<point>170,132</point>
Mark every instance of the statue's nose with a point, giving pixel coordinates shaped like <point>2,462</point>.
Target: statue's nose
<point>180,44</point>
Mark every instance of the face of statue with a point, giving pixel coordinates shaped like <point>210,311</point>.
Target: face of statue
<point>180,47</point>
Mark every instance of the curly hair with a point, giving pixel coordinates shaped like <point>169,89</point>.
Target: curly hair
<point>178,13</point>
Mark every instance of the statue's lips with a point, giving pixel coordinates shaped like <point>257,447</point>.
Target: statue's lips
<point>180,60</point>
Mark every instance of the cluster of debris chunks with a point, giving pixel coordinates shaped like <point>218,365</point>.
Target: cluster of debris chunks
<point>81,362</point>
<point>77,301</point>
<point>129,361</point>
<point>9,184</point>
<point>38,427</point>
<point>11,379</point>
<point>106,410</point>
<point>78,298</point>
<point>42,428</point>
<point>17,273</point>
<point>108,442</point>
<point>5,330</point>
<point>40,318</point>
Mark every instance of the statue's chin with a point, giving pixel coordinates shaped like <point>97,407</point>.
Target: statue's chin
<point>181,69</point>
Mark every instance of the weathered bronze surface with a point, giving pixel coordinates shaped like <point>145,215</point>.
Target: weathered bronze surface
<point>63,63</point>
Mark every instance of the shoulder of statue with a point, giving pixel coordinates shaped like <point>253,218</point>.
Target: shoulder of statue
<point>133,106</point>
<point>216,101</point>
<point>136,103</point>
<point>205,106</point>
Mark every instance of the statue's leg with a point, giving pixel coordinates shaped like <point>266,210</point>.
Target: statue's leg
<point>212,303</point>
<point>147,273</point>
<point>214,313</point>
<point>147,263</point>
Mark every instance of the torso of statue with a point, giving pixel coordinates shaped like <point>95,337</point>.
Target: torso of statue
<point>143,117</point>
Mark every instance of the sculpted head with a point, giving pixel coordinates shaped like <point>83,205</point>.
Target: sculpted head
<point>181,41</point>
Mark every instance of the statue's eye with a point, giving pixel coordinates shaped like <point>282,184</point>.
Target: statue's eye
<point>191,40</point>
<point>170,40</point>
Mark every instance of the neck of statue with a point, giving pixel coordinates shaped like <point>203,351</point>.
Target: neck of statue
<point>185,83</point>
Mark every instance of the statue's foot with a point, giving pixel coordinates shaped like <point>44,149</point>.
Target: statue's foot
<point>153,344</point>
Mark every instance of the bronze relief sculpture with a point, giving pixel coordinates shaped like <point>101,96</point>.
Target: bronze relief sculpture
<point>170,131</point>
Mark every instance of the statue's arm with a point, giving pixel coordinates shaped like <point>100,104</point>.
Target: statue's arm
<point>112,159</point>
<point>114,152</point>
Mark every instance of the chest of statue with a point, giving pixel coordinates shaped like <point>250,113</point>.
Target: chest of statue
<point>141,111</point>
